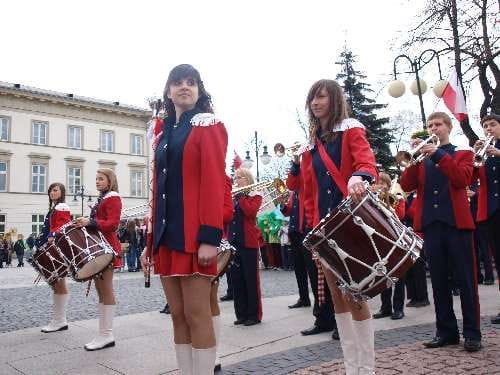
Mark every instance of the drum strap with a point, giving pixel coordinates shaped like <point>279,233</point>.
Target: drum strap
<point>332,168</point>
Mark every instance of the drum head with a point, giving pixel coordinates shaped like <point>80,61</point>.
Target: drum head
<point>94,267</point>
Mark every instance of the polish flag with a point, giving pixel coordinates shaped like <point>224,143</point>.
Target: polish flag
<point>453,97</point>
<point>236,161</point>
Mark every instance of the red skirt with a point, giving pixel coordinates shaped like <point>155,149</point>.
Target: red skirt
<point>175,263</point>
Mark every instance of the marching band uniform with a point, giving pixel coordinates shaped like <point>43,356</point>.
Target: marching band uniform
<point>188,192</point>
<point>416,277</point>
<point>304,264</point>
<point>324,189</point>
<point>489,204</point>
<point>396,302</point>
<point>188,181</point>
<point>442,213</point>
<point>54,220</point>
<point>105,217</point>
<point>244,236</point>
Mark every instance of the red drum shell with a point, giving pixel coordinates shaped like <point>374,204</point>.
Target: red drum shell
<point>49,263</point>
<point>86,251</point>
<point>340,226</point>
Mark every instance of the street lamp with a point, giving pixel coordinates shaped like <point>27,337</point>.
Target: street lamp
<point>265,158</point>
<point>82,196</point>
<point>419,86</point>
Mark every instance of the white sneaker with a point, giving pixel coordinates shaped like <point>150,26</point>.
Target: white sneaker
<point>54,326</point>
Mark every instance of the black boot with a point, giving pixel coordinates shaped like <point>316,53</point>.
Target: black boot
<point>166,309</point>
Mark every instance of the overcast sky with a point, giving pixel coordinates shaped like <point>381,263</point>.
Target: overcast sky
<point>257,58</point>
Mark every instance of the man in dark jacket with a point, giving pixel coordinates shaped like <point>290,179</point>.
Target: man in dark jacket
<point>19,248</point>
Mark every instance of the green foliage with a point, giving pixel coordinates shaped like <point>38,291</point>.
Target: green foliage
<point>363,108</point>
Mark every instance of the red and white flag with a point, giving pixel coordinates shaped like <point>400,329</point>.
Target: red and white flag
<point>453,97</point>
<point>236,161</point>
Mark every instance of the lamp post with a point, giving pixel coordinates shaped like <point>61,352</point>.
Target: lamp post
<point>265,158</point>
<point>82,195</point>
<point>418,87</point>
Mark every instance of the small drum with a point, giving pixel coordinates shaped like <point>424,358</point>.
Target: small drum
<point>49,263</point>
<point>365,246</point>
<point>85,250</point>
<point>225,255</point>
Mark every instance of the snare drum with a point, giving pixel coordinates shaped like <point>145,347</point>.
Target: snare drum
<point>85,250</point>
<point>49,263</point>
<point>365,246</point>
<point>225,256</point>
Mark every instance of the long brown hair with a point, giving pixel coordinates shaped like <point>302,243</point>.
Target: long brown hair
<point>111,176</point>
<point>62,199</point>
<point>337,112</point>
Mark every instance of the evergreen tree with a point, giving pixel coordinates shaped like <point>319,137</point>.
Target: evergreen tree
<point>363,109</point>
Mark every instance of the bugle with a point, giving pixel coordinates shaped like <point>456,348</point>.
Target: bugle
<point>294,150</point>
<point>413,156</point>
<point>480,156</point>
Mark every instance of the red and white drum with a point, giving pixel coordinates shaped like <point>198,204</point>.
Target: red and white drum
<point>49,263</point>
<point>365,246</point>
<point>85,250</point>
<point>225,256</point>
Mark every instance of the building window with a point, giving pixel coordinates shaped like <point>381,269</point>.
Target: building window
<point>2,224</point>
<point>74,179</point>
<point>39,133</point>
<point>137,188</point>
<point>106,141</point>
<point>3,176</point>
<point>38,178</point>
<point>75,137</point>
<point>4,128</point>
<point>37,223</point>
<point>136,144</point>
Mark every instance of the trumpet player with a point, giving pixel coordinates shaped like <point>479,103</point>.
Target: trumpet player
<point>390,302</point>
<point>489,191</point>
<point>442,214</point>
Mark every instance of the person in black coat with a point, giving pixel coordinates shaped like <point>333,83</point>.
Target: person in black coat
<point>19,248</point>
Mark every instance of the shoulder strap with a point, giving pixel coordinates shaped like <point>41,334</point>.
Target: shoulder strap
<point>332,169</point>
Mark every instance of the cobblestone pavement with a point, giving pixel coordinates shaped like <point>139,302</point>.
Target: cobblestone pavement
<point>26,307</point>
<point>398,351</point>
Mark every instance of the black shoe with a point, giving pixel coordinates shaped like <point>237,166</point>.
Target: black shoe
<point>411,303</point>
<point>239,321</point>
<point>495,319</point>
<point>489,282</point>
<point>166,310</point>
<point>226,297</point>
<point>299,303</point>
<point>251,322</point>
<point>456,292</point>
<point>314,330</point>
<point>438,342</point>
<point>335,334</point>
<point>423,303</point>
<point>381,314</point>
<point>472,345</point>
<point>397,315</point>
<point>217,367</point>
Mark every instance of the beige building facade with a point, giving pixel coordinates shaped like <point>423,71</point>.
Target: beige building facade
<point>48,137</point>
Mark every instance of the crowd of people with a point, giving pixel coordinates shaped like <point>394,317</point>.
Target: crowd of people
<point>195,205</point>
<point>21,248</point>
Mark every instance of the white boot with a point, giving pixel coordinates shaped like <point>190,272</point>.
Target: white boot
<point>365,341</point>
<point>105,339</point>
<point>203,361</point>
<point>58,322</point>
<point>184,355</point>
<point>216,324</point>
<point>348,342</point>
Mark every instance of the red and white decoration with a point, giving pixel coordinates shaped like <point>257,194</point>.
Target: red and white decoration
<point>453,97</point>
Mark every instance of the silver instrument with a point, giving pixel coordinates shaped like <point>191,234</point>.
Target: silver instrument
<point>480,156</point>
<point>413,156</point>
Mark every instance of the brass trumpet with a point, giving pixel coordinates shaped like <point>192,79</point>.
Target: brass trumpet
<point>480,156</point>
<point>276,191</point>
<point>413,156</point>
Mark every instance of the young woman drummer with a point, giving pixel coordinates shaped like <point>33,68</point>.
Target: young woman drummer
<point>338,164</point>
<point>187,213</point>
<point>58,215</point>
<point>105,216</point>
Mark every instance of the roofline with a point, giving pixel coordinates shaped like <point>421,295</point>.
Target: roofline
<point>71,99</point>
